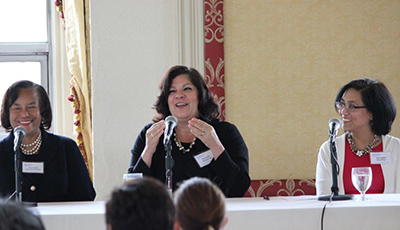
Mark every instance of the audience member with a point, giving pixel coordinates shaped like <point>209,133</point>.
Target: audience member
<point>200,205</point>
<point>13,216</point>
<point>142,204</point>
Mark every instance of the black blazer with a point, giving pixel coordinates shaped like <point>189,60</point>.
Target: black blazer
<point>65,176</point>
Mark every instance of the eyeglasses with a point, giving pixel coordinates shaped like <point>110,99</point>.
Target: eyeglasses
<point>350,108</point>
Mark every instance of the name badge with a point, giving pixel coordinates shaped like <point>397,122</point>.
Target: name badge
<point>33,167</point>
<point>381,158</point>
<point>204,158</point>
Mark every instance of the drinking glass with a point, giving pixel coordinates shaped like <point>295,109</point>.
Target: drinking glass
<point>362,179</point>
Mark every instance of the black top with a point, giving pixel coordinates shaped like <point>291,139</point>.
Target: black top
<point>229,171</point>
<point>65,176</point>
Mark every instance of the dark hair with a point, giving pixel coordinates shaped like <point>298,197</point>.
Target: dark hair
<point>377,100</point>
<point>13,216</point>
<point>208,108</point>
<point>199,205</point>
<point>11,96</point>
<point>140,204</point>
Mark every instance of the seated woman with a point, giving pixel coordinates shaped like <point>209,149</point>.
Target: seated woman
<point>367,111</point>
<point>59,172</point>
<point>202,145</point>
<point>200,205</point>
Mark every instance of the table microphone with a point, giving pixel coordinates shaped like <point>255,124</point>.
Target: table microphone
<point>334,125</point>
<point>19,134</point>
<point>170,124</point>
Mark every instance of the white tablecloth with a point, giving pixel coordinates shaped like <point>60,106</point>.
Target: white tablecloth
<point>73,215</point>
<point>304,212</point>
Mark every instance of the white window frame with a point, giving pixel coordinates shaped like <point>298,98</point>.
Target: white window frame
<point>32,52</point>
<point>39,57</point>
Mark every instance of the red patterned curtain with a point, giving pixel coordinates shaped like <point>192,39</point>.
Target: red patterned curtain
<point>214,50</point>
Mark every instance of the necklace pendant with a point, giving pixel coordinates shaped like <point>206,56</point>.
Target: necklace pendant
<point>367,150</point>
<point>180,146</point>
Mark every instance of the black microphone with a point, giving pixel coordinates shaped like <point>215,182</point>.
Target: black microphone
<point>334,125</point>
<point>170,124</point>
<point>19,134</point>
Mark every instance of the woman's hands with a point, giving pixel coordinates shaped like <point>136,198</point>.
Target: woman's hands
<point>153,135</point>
<point>198,128</point>
<point>207,135</point>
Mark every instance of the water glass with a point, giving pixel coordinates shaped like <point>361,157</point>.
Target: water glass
<point>362,179</point>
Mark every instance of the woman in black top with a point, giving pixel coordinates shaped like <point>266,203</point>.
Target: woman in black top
<point>202,145</point>
<point>53,168</point>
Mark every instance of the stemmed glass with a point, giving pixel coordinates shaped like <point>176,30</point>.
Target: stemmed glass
<point>362,179</point>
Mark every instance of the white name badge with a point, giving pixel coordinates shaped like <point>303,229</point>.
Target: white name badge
<point>131,176</point>
<point>381,158</point>
<point>204,158</point>
<point>33,167</point>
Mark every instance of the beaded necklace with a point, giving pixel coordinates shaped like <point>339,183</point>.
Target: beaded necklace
<point>367,150</point>
<point>180,146</point>
<point>35,146</point>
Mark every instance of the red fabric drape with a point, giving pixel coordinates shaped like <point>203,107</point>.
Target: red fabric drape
<point>214,50</point>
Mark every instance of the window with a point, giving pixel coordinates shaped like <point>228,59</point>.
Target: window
<point>25,44</point>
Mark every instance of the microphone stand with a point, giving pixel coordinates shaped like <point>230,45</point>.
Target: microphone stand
<point>169,163</point>
<point>335,188</point>
<point>18,175</point>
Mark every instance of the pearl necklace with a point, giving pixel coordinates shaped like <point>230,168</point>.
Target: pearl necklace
<point>179,144</point>
<point>367,150</point>
<point>35,146</point>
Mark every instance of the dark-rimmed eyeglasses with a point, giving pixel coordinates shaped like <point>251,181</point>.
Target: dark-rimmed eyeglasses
<point>350,108</point>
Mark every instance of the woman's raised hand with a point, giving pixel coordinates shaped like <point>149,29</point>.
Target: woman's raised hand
<point>206,133</point>
<point>153,135</point>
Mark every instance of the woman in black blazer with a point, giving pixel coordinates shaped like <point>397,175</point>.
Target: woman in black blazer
<point>53,168</point>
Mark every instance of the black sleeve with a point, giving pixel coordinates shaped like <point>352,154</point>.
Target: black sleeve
<point>137,165</point>
<point>7,173</point>
<point>80,187</point>
<point>232,166</point>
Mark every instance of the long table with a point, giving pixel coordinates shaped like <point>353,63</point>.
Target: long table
<point>301,212</point>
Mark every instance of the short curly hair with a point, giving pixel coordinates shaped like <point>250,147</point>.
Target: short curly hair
<point>208,108</point>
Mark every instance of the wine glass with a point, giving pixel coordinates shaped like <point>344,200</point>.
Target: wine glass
<point>362,179</point>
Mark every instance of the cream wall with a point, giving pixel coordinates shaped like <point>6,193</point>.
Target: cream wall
<point>132,47</point>
<point>133,44</point>
<point>285,62</point>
